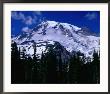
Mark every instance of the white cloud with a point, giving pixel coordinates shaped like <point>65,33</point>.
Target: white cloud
<point>91,16</point>
<point>26,29</point>
<point>22,16</point>
<point>28,20</point>
<point>37,12</point>
<point>17,16</point>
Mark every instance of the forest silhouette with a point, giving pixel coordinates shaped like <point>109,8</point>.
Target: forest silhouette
<point>51,68</point>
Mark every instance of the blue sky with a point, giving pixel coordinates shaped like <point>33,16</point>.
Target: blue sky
<point>26,20</point>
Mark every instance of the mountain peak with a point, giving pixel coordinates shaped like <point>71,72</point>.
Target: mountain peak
<point>71,37</point>
<point>65,25</point>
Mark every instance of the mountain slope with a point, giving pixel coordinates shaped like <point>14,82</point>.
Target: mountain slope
<point>71,37</point>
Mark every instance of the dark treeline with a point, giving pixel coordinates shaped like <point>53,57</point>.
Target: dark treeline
<point>51,69</point>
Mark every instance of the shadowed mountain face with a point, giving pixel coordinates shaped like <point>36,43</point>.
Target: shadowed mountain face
<point>71,37</point>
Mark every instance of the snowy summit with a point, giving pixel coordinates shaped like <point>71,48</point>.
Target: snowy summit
<point>73,38</point>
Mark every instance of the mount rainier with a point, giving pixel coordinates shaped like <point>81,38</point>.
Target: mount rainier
<point>71,37</point>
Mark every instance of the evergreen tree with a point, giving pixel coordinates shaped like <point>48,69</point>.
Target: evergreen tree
<point>43,68</point>
<point>51,66</point>
<point>36,66</point>
<point>96,67</point>
<point>75,68</point>
<point>24,61</point>
<point>17,70</point>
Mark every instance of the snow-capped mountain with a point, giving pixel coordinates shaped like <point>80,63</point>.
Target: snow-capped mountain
<point>71,37</point>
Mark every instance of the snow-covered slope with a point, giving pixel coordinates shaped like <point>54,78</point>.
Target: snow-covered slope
<point>71,37</point>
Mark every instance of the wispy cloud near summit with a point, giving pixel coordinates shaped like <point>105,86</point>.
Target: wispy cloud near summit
<point>91,16</point>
